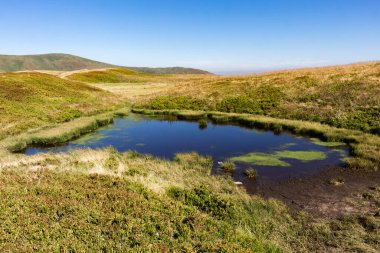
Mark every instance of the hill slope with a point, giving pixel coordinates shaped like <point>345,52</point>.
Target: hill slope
<point>344,96</point>
<point>172,70</point>
<point>29,100</point>
<point>66,62</point>
<point>63,62</point>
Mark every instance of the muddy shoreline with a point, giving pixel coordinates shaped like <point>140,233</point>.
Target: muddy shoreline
<point>318,197</point>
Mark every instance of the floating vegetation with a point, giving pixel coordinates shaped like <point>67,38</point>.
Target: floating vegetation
<point>274,159</point>
<point>287,145</point>
<point>258,158</point>
<point>140,144</point>
<point>89,138</point>
<point>327,143</point>
<point>302,155</point>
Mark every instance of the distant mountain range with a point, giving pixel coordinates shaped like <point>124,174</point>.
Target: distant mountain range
<point>67,62</point>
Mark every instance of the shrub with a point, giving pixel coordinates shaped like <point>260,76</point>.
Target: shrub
<point>202,198</point>
<point>173,103</point>
<point>261,101</point>
<point>112,163</point>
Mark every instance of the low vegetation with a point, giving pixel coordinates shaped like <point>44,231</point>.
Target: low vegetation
<point>102,200</point>
<point>228,166</point>
<point>251,173</point>
<point>108,76</point>
<point>341,96</point>
<point>202,123</point>
<point>56,62</point>
<point>33,100</point>
<point>66,62</point>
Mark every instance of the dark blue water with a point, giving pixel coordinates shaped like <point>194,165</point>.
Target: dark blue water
<point>164,138</point>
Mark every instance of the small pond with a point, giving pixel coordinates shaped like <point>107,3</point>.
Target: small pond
<point>276,157</point>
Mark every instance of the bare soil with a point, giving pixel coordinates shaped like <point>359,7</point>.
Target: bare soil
<point>319,197</point>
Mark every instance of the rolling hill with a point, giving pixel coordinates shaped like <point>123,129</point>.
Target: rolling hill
<point>61,62</point>
<point>30,100</point>
<point>66,62</point>
<point>346,96</point>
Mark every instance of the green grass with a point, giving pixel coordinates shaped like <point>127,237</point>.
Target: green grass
<point>107,76</point>
<point>180,102</point>
<point>32,100</point>
<point>340,96</point>
<point>59,134</point>
<point>65,62</point>
<point>228,166</point>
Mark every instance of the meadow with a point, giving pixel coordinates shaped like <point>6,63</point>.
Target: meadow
<point>103,200</point>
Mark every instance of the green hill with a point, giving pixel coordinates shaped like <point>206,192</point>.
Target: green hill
<point>62,62</point>
<point>66,62</point>
<point>172,70</point>
<point>30,100</point>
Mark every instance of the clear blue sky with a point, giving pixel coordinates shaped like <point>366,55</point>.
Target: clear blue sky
<point>223,36</point>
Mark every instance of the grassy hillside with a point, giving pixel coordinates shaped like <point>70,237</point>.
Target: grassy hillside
<point>63,62</point>
<point>30,100</point>
<point>66,62</point>
<point>169,70</point>
<point>343,96</point>
<point>119,75</point>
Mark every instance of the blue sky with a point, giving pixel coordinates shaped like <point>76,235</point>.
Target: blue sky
<point>222,36</point>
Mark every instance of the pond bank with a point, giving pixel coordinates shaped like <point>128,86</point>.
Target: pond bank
<point>59,134</point>
<point>365,148</point>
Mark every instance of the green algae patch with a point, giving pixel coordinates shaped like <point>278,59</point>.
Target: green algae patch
<point>274,159</point>
<point>258,158</point>
<point>88,139</point>
<point>302,155</point>
<point>327,143</point>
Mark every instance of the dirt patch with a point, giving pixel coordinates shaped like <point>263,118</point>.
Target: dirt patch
<point>320,196</point>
